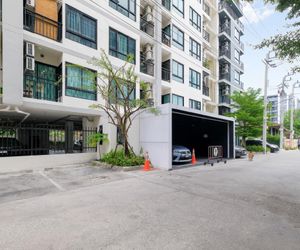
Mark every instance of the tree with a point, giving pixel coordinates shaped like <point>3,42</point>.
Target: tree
<point>117,89</point>
<point>287,119</point>
<point>248,111</point>
<point>287,45</point>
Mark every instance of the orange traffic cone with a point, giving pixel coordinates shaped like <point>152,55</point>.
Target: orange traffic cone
<point>193,157</point>
<point>147,162</point>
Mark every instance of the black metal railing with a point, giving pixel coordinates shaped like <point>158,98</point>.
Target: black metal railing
<point>42,25</point>
<point>225,28</point>
<point>146,67</point>
<point>225,52</point>
<point>225,76</point>
<point>166,38</point>
<point>166,4</point>
<point>41,88</point>
<point>165,74</point>
<point>205,90</point>
<point>224,99</point>
<point>147,27</point>
<point>44,139</point>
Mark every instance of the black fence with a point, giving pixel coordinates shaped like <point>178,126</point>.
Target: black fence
<point>40,139</point>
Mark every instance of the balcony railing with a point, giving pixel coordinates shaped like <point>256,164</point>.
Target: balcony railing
<point>205,90</point>
<point>225,76</point>
<point>42,25</point>
<point>241,65</point>
<point>165,74</point>
<point>206,35</point>
<point>242,45</point>
<point>225,99</point>
<point>166,4</point>
<point>166,38</point>
<point>206,9</point>
<point>146,67</point>
<point>225,28</point>
<point>241,25</point>
<point>40,88</point>
<point>225,52</point>
<point>147,27</point>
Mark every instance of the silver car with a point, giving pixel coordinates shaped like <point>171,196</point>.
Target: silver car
<point>181,154</point>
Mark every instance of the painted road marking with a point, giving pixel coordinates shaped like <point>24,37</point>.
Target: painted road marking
<point>52,181</point>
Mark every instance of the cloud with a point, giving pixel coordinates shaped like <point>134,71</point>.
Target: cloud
<point>255,15</point>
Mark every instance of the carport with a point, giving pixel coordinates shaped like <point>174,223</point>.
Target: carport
<point>185,127</point>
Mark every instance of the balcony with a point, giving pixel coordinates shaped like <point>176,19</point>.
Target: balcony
<point>165,74</point>
<point>225,52</point>
<point>242,46</point>
<point>241,25</point>
<point>206,35</point>
<point>207,63</point>
<point>241,64</point>
<point>42,25</point>
<point>225,76</point>
<point>166,38</point>
<point>205,90</point>
<point>206,8</point>
<point>166,4</point>
<point>233,8</point>
<point>224,99</point>
<point>225,28</point>
<point>147,27</point>
<point>41,88</point>
<point>146,67</point>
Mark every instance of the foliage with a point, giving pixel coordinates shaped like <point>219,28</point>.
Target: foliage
<point>248,111</point>
<point>287,45</point>
<point>117,89</point>
<point>256,148</point>
<point>118,158</point>
<point>96,138</point>
<point>287,119</point>
<point>273,139</point>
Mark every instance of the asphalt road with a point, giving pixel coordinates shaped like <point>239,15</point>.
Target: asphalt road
<point>240,205</point>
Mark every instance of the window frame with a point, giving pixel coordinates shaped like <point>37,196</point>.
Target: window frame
<point>196,55</point>
<point>177,10</point>
<point>179,97</point>
<point>176,43</point>
<point>194,103</point>
<point>68,7</point>
<point>236,32</point>
<point>177,78</point>
<point>198,76</point>
<point>237,59</point>
<point>128,11</point>
<point>193,13</point>
<point>111,50</point>
<point>237,80</point>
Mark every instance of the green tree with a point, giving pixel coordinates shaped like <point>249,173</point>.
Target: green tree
<point>287,119</point>
<point>117,88</point>
<point>287,45</point>
<point>248,111</point>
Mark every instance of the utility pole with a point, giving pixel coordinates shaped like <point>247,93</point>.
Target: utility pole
<point>268,63</point>
<point>292,110</point>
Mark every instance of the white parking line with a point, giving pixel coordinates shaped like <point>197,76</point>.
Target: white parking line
<point>52,181</point>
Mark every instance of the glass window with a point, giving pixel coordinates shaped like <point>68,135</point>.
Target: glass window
<point>177,71</point>
<point>120,45</point>
<point>81,28</point>
<point>236,34</point>
<point>195,104</point>
<point>178,38</point>
<point>80,82</point>
<point>165,99</point>
<point>178,100</point>
<point>195,49</point>
<point>126,7</point>
<point>195,79</point>
<point>237,56</point>
<point>124,94</point>
<point>178,6</point>
<point>237,77</point>
<point>195,19</point>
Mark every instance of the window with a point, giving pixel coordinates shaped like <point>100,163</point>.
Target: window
<point>126,7</point>
<point>236,34</point>
<point>80,82</point>
<point>237,77</point>
<point>128,91</point>
<point>81,28</point>
<point>178,6</point>
<point>195,49</point>
<point>178,100</point>
<point>177,71</point>
<point>195,79</point>
<point>178,38</point>
<point>195,19</point>
<point>121,45</point>
<point>165,99</point>
<point>194,104</point>
<point>237,56</point>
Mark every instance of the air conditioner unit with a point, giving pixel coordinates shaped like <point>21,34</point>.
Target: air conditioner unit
<point>148,50</point>
<point>30,3</point>
<point>30,48</point>
<point>148,14</point>
<point>30,63</point>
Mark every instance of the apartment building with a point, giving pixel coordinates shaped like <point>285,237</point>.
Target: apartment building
<point>279,104</point>
<point>48,101</point>
<point>231,48</point>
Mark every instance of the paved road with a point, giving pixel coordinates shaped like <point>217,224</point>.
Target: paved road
<point>243,205</point>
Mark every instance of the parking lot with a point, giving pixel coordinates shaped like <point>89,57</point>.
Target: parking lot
<point>238,205</point>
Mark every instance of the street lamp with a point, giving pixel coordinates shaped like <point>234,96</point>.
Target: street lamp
<point>295,85</point>
<point>268,61</point>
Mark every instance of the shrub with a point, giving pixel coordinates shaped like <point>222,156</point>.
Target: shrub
<point>118,158</point>
<point>274,139</point>
<point>256,148</point>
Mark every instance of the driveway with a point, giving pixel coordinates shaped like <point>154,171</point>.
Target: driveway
<point>238,205</point>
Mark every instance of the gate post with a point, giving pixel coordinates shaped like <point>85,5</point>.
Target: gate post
<point>69,128</point>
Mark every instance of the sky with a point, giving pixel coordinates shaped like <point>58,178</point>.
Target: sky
<point>262,21</point>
